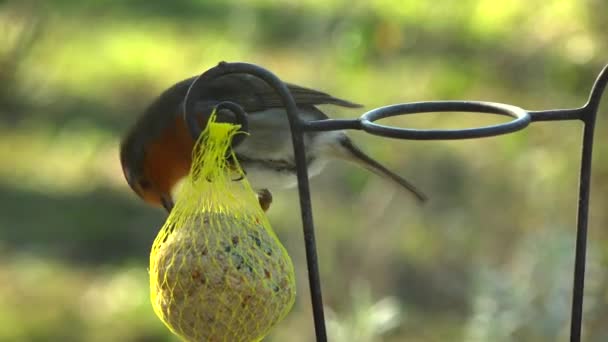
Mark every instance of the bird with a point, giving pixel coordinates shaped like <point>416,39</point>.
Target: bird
<point>156,152</point>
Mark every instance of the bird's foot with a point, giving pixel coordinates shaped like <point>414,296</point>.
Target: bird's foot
<point>265,199</point>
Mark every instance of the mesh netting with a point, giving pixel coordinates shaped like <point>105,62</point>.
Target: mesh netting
<point>217,270</point>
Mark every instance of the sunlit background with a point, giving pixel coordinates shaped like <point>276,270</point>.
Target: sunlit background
<point>489,258</point>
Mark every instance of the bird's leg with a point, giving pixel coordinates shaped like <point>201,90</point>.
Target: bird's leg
<point>265,199</point>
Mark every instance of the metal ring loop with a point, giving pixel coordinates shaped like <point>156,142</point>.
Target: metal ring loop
<point>241,119</point>
<point>193,124</point>
<point>521,120</point>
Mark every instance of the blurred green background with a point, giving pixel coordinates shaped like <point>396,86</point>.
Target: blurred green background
<point>489,258</point>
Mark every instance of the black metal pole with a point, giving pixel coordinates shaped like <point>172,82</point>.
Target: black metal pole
<point>297,133</point>
<point>581,234</point>
<point>589,115</point>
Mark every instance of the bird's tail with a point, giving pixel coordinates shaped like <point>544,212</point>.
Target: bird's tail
<point>346,150</point>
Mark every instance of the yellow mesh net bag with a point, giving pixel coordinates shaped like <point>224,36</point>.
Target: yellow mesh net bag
<point>217,270</point>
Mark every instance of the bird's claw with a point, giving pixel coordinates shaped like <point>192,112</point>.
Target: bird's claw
<point>265,199</point>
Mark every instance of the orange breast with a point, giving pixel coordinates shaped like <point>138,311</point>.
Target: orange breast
<point>168,158</point>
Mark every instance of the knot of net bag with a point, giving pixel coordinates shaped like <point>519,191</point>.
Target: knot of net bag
<point>217,270</point>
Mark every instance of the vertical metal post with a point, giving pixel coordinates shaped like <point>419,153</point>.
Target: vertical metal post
<point>581,234</point>
<point>588,117</point>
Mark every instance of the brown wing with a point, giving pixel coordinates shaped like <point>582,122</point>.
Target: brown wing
<point>253,94</point>
<point>248,91</point>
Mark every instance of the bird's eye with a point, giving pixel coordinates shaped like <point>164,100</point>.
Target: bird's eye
<point>144,184</point>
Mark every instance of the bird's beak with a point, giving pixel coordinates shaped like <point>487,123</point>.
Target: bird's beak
<point>167,202</point>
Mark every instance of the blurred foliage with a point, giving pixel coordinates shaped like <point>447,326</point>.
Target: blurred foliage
<point>489,258</point>
<point>366,320</point>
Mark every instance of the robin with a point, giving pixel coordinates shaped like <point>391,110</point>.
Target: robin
<point>156,152</point>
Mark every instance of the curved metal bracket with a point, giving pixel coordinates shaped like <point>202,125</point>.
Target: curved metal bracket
<point>521,119</point>
<point>191,116</point>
